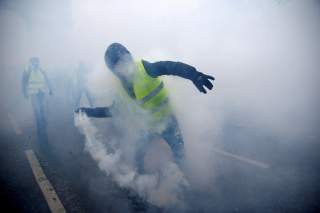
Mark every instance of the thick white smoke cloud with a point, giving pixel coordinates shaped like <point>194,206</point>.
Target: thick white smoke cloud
<point>264,55</point>
<point>162,188</point>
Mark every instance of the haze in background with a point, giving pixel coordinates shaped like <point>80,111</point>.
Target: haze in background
<point>263,54</point>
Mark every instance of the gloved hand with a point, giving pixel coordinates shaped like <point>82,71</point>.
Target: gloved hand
<point>97,112</point>
<point>201,81</point>
<point>81,110</point>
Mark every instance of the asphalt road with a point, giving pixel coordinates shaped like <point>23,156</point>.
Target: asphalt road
<point>289,184</point>
<point>75,177</point>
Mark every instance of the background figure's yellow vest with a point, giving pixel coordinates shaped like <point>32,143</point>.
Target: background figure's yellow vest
<point>36,82</point>
<point>151,94</point>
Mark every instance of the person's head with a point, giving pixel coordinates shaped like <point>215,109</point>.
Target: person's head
<point>34,61</point>
<point>119,60</point>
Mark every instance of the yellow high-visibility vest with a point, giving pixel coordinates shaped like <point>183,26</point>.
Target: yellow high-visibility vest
<point>37,81</point>
<point>151,93</point>
<point>151,102</point>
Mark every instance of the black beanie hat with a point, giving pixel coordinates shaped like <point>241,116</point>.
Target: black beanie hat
<point>113,54</point>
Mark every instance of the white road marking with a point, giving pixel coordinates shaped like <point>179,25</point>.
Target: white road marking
<point>48,191</point>
<point>14,125</point>
<point>243,159</point>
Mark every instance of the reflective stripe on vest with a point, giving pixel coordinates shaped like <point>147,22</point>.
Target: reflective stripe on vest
<point>150,93</point>
<point>36,82</point>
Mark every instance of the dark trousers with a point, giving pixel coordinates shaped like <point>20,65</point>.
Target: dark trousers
<point>172,135</point>
<point>38,106</point>
<point>77,97</point>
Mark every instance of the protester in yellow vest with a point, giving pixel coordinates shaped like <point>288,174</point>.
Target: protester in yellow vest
<point>35,84</point>
<point>140,81</point>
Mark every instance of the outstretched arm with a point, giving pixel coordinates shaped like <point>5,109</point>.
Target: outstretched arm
<point>97,112</point>
<point>199,79</point>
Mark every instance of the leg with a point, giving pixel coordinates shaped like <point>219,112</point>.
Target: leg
<point>89,97</point>
<point>139,158</point>
<point>43,120</point>
<point>77,98</point>
<point>36,112</point>
<point>141,152</point>
<point>173,137</point>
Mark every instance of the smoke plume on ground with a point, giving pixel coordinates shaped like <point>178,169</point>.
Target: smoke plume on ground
<point>161,188</point>
<point>263,54</point>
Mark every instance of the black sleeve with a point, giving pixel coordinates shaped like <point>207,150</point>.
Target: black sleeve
<point>97,112</point>
<point>170,68</point>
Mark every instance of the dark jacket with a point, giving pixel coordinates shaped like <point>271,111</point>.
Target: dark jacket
<point>155,69</point>
<point>170,68</point>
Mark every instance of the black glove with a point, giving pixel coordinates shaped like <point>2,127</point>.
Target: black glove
<point>82,110</point>
<point>201,81</point>
<point>97,112</point>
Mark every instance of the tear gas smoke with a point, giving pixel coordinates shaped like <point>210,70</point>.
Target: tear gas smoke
<point>264,55</point>
<point>163,188</point>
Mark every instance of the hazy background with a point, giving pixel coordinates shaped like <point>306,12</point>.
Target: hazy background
<point>264,55</point>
